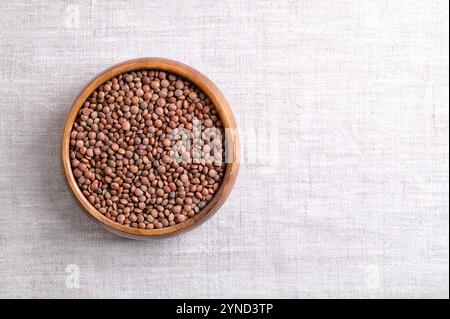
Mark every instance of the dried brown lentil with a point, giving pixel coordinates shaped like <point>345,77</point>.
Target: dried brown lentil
<point>123,156</point>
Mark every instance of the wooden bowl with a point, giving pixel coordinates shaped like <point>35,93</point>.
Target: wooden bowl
<point>231,145</point>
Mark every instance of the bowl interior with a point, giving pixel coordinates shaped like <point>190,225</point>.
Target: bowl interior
<point>231,144</point>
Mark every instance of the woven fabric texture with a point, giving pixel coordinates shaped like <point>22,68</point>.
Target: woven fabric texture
<point>343,114</point>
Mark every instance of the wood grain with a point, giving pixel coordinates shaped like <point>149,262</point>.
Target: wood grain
<point>231,145</point>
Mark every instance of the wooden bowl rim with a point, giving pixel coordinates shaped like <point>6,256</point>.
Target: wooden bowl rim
<point>231,144</point>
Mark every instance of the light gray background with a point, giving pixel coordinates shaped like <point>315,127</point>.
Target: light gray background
<point>348,199</point>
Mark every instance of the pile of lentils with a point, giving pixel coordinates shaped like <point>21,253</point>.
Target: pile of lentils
<point>126,157</point>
